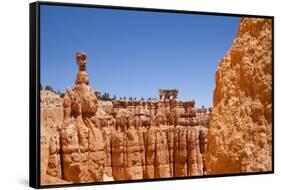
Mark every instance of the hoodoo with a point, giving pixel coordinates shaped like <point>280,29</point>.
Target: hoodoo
<point>125,139</point>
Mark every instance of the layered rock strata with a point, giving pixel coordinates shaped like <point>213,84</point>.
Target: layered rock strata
<point>240,134</point>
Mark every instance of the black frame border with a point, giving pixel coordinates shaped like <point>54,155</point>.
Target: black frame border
<point>34,95</point>
<point>34,92</point>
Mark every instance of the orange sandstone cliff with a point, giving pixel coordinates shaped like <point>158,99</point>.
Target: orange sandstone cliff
<point>240,134</point>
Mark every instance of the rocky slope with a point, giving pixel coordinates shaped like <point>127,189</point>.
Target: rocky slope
<point>240,134</point>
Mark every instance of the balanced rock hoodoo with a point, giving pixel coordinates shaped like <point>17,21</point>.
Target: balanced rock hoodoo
<point>125,139</point>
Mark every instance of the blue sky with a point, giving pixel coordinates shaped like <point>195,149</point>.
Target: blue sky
<point>135,53</point>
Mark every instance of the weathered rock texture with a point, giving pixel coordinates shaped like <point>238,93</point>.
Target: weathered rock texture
<point>77,152</point>
<point>51,114</point>
<point>122,140</point>
<point>240,134</point>
<point>51,111</point>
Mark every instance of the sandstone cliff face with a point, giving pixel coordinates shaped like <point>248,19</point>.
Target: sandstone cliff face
<point>240,134</point>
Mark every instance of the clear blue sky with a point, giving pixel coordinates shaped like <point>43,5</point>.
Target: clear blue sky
<point>134,53</point>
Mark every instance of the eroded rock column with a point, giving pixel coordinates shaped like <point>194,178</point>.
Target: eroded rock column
<point>80,138</point>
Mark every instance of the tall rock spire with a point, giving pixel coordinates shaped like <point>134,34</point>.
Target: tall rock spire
<point>82,76</point>
<point>77,151</point>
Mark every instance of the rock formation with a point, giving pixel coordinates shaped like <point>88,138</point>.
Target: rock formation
<point>77,152</point>
<point>125,140</point>
<point>240,134</point>
<point>51,114</point>
<point>85,139</point>
<point>51,111</point>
